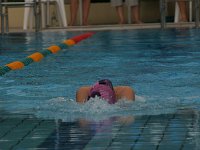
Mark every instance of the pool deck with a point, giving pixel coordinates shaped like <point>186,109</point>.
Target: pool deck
<point>177,131</point>
<point>112,27</point>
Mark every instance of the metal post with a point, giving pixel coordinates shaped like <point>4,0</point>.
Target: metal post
<point>81,11</point>
<point>36,16</point>
<point>39,15</point>
<point>37,12</point>
<point>2,18</point>
<point>34,10</point>
<point>129,14</point>
<point>163,13</point>
<point>196,13</point>
<point>6,17</point>
<point>1,13</point>
<point>190,11</point>
<point>48,14</point>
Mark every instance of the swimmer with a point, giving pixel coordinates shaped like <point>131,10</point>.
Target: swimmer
<point>105,90</point>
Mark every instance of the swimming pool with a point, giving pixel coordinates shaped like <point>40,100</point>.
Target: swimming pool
<point>162,66</point>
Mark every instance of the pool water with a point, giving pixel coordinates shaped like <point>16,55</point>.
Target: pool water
<point>162,66</point>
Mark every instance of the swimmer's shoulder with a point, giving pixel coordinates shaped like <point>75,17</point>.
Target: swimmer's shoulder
<point>124,92</point>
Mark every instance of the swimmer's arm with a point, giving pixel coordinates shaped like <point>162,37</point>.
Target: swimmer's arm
<point>82,94</point>
<point>124,92</point>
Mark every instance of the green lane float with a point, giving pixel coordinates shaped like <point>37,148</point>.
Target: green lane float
<point>38,56</point>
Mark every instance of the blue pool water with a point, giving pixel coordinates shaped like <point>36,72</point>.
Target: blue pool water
<point>162,66</point>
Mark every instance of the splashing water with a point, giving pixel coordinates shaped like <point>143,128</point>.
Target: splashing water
<point>98,109</point>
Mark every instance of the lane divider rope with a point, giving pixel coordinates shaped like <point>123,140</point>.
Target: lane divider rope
<point>38,56</point>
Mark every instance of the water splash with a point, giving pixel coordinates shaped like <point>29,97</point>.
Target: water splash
<point>97,109</point>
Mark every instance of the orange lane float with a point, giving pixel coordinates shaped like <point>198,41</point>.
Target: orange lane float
<point>38,56</point>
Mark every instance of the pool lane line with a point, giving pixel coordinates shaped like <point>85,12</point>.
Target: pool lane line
<point>38,56</point>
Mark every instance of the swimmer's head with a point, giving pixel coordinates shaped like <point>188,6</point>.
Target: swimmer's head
<point>106,82</point>
<point>103,89</point>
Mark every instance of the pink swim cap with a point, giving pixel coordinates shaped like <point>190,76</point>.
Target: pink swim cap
<point>103,89</point>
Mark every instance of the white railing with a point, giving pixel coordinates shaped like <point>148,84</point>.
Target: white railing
<point>4,5</point>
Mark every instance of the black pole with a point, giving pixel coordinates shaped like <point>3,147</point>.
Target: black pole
<point>2,18</point>
<point>163,13</point>
<point>196,13</point>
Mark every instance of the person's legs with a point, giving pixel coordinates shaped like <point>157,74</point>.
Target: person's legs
<point>182,7</point>
<point>135,14</point>
<point>120,13</point>
<point>74,9</point>
<point>135,10</point>
<point>86,8</point>
<point>118,4</point>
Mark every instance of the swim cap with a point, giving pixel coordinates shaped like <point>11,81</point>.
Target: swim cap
<point>103,89</point>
